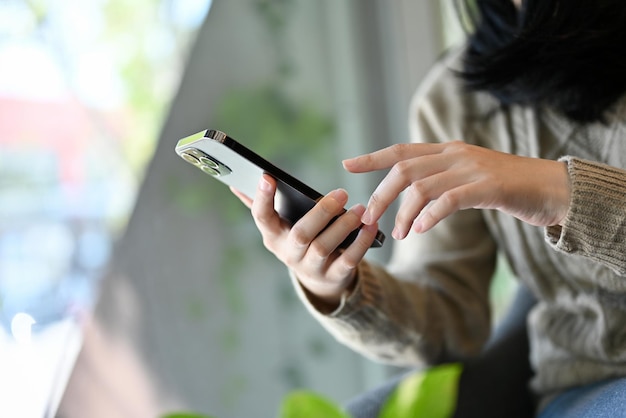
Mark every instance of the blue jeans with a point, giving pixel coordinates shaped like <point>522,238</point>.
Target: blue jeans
<point>606,399</point>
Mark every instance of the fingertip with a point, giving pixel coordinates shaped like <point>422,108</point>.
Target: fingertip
<point>398,233</point>
<point>246,200</point>
<point>269,178</point>
<point>420,226</point>
<point>349,164</point>
<point>340,195</point>
<point>358,210</point>
<point>367,218</point>
<point>266,183</point>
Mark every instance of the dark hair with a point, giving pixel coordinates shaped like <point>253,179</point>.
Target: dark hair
<point>568,55</point>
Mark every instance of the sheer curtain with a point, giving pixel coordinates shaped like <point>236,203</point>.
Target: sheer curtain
<point>194,314</point>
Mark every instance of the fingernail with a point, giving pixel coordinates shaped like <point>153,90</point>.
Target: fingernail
<point>339,195</point>
<point>398,234</point>
<point>367,217</point>
<point>348,162</point>
<point>264,185</point>
<point>358,209</point>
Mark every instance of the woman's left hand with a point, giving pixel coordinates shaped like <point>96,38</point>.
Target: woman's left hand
<point>455,176</point>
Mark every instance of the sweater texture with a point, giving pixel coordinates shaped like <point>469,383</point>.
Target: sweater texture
<point>430,304</point>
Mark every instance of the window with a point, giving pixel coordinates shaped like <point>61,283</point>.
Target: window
<point>83,87</point>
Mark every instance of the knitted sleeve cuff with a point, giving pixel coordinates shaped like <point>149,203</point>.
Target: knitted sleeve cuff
<point>595,226</point>
<point>365,292</point>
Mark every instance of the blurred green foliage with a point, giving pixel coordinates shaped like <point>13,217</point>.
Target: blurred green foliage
<point>305,404</point>
<point>185,415</point>
<point>279,127</point>
<point>431,393</point>
<point>151,45</point>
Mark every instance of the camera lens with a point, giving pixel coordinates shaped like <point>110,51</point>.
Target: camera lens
<point>209,170</point>
<point>190,158</point>
<point>209,162</point>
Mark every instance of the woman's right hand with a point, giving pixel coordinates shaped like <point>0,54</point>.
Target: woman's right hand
<point>309,249</point>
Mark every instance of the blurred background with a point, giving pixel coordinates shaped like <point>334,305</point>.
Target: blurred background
<point>131,284</point>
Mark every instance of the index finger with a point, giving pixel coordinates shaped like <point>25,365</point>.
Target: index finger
<point>245,199</point>
<point>387,157</point>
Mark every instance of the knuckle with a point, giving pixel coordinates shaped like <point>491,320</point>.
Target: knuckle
<point>451,200</point>
<point>269,243</point>
<point>298,236</point>
<point>289,259</point>
<point>254,210</point>
<point>348,263</point>
<point>319,249</point>
<point>457,146</point>
<point>477,162</point>
<point>348,260</point>
<point>459,149</point>
<point>289,256</point>
<point>259,214</point>
<point>400,149</point>
<point>375,200</point>
<point>328,206</point>
<point>401,169</point>
<point>367,159</point>
<point>418,189</point>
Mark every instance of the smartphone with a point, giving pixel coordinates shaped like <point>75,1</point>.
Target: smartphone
<point>228,161</point>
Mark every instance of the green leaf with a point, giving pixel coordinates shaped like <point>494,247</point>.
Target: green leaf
<point>431,393</point>
<point>186,415</point>
<point>305,404</point>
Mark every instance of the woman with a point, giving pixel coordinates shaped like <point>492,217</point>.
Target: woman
<point>519,147</point>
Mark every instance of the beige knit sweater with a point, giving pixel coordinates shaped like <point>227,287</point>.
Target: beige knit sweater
<point>430,304</point>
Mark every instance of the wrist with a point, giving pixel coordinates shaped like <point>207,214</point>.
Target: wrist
<point>327,301</point>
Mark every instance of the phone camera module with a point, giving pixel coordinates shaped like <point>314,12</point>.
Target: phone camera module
<point>190,158</point>
<point>205,162</point>
<point>209,162</point>
<point>210,170</point>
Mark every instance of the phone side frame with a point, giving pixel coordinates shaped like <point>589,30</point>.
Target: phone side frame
<point>263,164</point>
<point>253,157</point>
